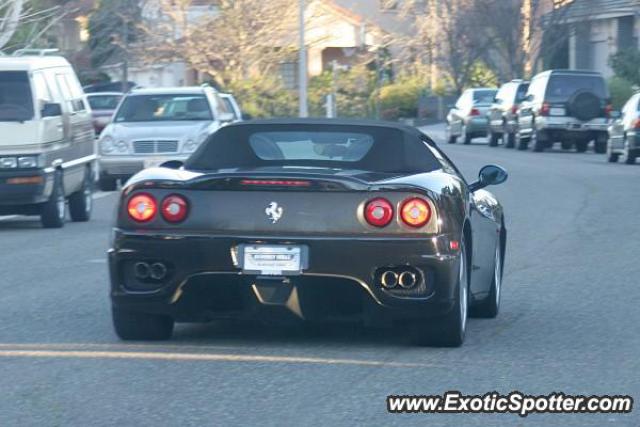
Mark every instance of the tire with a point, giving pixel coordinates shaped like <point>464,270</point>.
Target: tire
<point>600,147</point>
<point>510,141</point>
<point>490,307</point>
<point>566,145</point>
<point>630,159</point>
<point>613,157</point>
<point>141,326</point>
<point>451,139</point>
<point>107,184</point>
<point>466,138</point>
<point>450,329</point>
<point>538,145</point>
<point>54,210</point>
<point>581,146</point>
<point>522,143</point>
<point>81,202</point>
<point>493,139</point>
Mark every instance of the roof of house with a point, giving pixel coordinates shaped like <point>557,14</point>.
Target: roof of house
<point>598,9</point>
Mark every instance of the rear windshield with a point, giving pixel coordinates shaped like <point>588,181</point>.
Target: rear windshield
<point>104,102</point>
<point>376,149</point>
<point>16,101</point>
<point>484,96</point>
<point>521,94</point>
<point>158,108</point>
<point>561,87</point>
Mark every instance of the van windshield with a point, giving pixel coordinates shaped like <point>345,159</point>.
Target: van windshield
<point>16,101</point>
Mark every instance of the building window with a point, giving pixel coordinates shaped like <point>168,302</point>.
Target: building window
<point>289,74</point>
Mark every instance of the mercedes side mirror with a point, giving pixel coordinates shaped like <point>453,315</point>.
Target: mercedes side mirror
<point>51,109</point>
<point>172,164</point>
<point>489,175</point>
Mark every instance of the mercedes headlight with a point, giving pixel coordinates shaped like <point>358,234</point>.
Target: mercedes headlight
<point>28,162</point>
<point>192,145</point>
<point>122,147</point>
<point>107,145</point>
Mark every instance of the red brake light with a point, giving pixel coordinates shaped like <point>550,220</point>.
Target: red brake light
<point>280,182</point>
<point>514,109</point>
<point>142,207</point>
<point>545,109</point>
<point>378,212</point>
<point>607,110</point>
<point>415,212</point>
<point>174,208</point>
<point>636,124</point>
<point>474,112</point>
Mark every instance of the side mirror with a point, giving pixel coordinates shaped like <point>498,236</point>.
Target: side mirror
<point>489,175</point>
<point>51,109</point>
<point>172,164</point>
<point>528,98</point>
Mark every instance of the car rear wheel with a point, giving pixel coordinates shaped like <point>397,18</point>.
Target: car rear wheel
<point>466,138</point>
<point>449,330</point>
<point>490,307</point>
<point>600,147</point>
<point>141,326</point>
<point>81,202</point>
<point>451,139</point>
<point>493,138</point>
<point>53,211</point>
<point>522,142</point>
<point>581,146</point>
<point>510,140</point>
<point>538,143</point>
<point>107,183</point>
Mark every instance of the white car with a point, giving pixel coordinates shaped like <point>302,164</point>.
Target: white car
<point>232,106</point>
<point>152,126</point>
<point>47,148</point>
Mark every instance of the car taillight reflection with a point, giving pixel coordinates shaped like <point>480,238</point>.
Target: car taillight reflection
<point>142,207</point>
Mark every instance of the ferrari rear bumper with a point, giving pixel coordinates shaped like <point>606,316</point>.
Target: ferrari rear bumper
<point>202,279</point>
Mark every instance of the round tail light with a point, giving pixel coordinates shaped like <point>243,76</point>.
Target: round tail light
<point>174,208</point>
<point>142,207</point>
<point>378,212</point>
<point>415,212</point>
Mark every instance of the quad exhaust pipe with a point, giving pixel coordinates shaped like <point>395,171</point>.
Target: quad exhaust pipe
<point>406,278</point>
<point>155,271</point>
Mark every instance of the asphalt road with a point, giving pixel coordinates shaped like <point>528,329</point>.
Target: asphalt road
<point>569,323</point>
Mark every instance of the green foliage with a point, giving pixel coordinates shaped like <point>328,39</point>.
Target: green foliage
<point>399,99</point>
<point>112,27</point>
<point>626,64</point>
<point>621,90</point>
<point>264,97</point>
<point>482,76</point>
<point>353,88</point>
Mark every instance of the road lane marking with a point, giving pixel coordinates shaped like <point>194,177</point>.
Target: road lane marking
<point>200,357</point>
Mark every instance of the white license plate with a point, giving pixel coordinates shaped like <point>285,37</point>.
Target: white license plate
<point>153,163</point>
<point>555,111</point>
<point>272,260</point>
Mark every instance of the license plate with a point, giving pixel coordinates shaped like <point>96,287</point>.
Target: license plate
<point>555,111</point>
<point>272,260</point>
<point>153,163</point>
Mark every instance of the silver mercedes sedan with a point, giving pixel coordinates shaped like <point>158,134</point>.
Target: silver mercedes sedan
<point>152,126</point>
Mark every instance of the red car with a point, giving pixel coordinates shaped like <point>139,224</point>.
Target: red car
<point>103,105</point>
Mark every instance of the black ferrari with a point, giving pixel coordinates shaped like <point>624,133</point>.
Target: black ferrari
<point>311,219</point>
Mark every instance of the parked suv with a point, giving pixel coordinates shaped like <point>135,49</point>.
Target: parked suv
<point>467,119</point>
<point>47,148</point>
<point>503,114</point>
<point>566,106</point>
<point>152,126</point>
<point>624,133</point>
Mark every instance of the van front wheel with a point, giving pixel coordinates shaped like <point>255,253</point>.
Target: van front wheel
<point>53,211</point>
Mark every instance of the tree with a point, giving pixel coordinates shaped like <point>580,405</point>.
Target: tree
<point>113,27</point>
<point>626,64</point>
<point>24,22</point>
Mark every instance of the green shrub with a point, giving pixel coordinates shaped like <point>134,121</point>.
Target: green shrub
<point>626,64</point>
<point>264,97</point>
<point>398,100</point>
<point>353,88</point>
<point>621,90</point>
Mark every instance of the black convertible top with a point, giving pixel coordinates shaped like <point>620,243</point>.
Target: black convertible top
<point>368,145</point>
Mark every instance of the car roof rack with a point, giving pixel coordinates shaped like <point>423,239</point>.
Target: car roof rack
<point>35,52</point>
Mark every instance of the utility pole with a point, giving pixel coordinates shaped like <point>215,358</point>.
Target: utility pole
<point>125,53</point>
<point>302,66</point>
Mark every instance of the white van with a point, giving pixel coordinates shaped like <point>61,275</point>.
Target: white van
<point>47,141</point>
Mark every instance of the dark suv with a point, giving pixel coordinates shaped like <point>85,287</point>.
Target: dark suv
<point>503,113</point>
<point>566,106</point>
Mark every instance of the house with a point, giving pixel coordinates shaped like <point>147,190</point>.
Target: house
<point>334,32</point>
<point>596,29</point>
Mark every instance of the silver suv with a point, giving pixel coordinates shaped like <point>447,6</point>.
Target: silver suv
<point>566,106</point>
<point>152,126</point>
